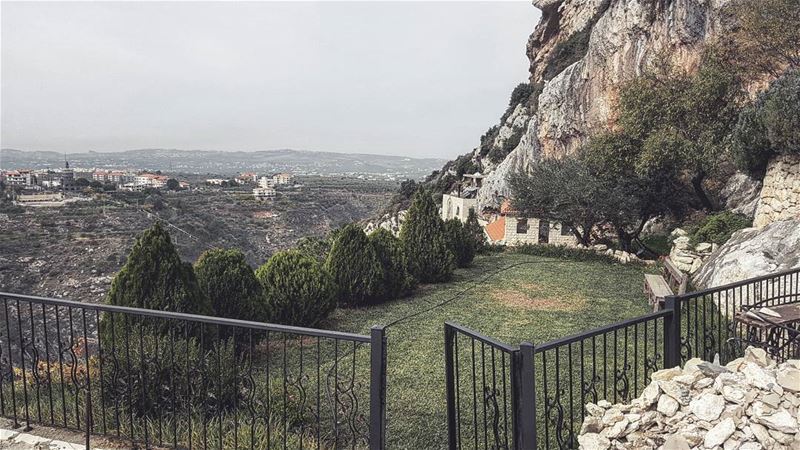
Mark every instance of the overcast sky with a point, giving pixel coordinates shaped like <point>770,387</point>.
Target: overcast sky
<point>417,79</point>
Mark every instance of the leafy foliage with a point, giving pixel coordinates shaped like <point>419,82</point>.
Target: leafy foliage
<point>770,126</point>
<point>298,289</point>
<point>679,123</point>
<point>423,237</point>
<point>475,231</point>
<point>355,268</point>
<point>154,277</point>
<point>459,242</point>
<point>397,281</point>
<point>718,228</point>
<point>229,282</point>
<point>766,39</point>
<point>561,190</point>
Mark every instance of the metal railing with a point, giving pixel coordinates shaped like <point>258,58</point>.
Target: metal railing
<point>552,382</point>
<point>169,379</point>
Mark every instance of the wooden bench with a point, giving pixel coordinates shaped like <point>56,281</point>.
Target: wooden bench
<point>671,282</point>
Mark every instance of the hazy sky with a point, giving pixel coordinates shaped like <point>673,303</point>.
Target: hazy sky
<point>417,79</point>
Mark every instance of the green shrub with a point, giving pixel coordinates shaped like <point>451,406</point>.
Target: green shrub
<point>475,232</point>
<point>459,242</point>
<point>298,289</point>
<point>423,238</point>
<point>392,256</point>
<point>355,268</point>
<point>718,228</point>
<point>229,282</point>
<point>770,126</point>
<point>154,277</point>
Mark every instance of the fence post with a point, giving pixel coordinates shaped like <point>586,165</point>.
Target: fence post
<point>523,397</point>
<point>672,332</point>
<point>450,383</point>
<point>377,388</point>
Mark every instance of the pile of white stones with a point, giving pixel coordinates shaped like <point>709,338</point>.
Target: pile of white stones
<point>751,403</point>
<point>687,258</point>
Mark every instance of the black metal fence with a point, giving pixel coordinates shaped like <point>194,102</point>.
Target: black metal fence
<point>167,379</point>
<point>552,382</point>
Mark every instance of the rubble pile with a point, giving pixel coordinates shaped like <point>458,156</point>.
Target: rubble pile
<point>751,403</point>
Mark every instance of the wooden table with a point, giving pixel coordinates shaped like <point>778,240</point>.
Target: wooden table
<point>778,334</point>
<point>789,314</point>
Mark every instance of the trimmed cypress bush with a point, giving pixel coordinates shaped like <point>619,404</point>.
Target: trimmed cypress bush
<point>354,267</point>
<point>154,277</point>
<point>429,258</point>
<point>298,289</point>
<point>459,243</point>
<point>474,231</point>
<point>397,281</point>
<point>231,285</point>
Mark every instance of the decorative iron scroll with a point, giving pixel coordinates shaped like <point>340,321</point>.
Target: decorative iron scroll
<point>491,405</point>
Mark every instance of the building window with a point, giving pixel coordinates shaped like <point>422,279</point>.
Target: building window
<point>458,211</point>
<point>566,230</point>
<point>522,226</point>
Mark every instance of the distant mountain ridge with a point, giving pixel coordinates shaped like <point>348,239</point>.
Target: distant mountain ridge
<point>229,162</point>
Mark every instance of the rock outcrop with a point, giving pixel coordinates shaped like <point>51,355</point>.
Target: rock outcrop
<point>752,252</point>
<point>780,196</point>
<point>751,403</point>
<point>741,194</point>
<point>581,52</point>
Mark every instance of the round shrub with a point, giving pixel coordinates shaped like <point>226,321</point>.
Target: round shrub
<point>298,289</point>
<point>229,282</point>
<point>389,251</point>
<point>354,267</point>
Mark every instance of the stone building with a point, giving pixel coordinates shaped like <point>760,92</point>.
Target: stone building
<point>510,228</point>
<point>456,205</point>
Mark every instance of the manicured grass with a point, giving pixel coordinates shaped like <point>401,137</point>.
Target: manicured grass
<point>535,299</point>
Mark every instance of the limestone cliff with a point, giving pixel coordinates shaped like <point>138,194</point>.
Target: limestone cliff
<point>580,53</point>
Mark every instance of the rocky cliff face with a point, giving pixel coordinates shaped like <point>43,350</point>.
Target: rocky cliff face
<point>581,52</point>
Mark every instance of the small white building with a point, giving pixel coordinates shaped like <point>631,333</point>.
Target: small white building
<point>267,193</point>
<point>454,207</point>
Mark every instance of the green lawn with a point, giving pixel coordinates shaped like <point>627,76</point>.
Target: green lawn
<point>536,299</point>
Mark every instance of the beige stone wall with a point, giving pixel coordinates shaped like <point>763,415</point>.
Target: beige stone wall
<point>780,196</point>
<point>456,207</point>
<point>532,236</point>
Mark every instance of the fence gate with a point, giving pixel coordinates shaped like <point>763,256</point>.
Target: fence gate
<point>485,379</point>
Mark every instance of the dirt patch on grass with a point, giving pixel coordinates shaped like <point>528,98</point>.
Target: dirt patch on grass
<point>523,298</point>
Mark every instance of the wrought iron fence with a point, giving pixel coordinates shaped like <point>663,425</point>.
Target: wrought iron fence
<point>708,326</point>
<point>551,385</point>
<point>179,380</point>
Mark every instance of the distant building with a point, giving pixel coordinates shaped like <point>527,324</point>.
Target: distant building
<point>456,205</point>
<point>42,197</point>
<point>510,228</point>
<point>215,181</point>
<point>247,178</point>
<point>23,178</point>
<point>267,193</point>
<point>266,182</point>
<point>282,178</point>
<point>150,180</point>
